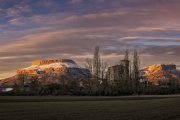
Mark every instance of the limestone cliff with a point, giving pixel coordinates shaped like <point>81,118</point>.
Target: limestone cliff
<point>51,71</point>
<point>48,66</point>
<point>160,74</point>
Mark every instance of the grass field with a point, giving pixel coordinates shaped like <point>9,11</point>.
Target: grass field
<point>90,108</point>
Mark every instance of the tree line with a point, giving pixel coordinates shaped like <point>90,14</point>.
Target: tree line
<point>125,81</point>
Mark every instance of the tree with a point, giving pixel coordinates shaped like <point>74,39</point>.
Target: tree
<point>103,69</point>
<point>45,77</point>
<point>96,70</point>
<point>89,66</point>
<point>35,85</point>
<point>96,63</point>
<point>22,78</point>
<point>135,73</point>
<point>126,56</point>
<point>126,69</point>
<point>127,74</point>
<point>74,87</point>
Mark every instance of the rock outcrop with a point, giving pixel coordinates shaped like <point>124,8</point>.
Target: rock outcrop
<point>161,74</point>
<point>51,71</point>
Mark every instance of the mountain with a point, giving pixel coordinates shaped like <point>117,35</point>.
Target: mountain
<point>50,71</point>
<point>159,74</point>
<point>64,70</point>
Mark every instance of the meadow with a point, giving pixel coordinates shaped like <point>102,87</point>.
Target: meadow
<point>89,108</point>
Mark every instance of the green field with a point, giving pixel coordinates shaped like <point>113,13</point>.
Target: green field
<point>90,108</point>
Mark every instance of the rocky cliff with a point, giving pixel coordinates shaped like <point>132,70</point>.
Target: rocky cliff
<point>51,71</point>
<point>161,74</point>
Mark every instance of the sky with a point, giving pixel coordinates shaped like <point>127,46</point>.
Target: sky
<point>55,29</point>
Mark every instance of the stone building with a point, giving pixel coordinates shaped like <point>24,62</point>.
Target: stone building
<point>119,72</point>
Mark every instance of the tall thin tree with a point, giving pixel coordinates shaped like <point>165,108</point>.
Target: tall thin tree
<point>103,70</point>
<point>22,79</point>
<point>89,66</point>
<point>135,74</point>
<point>126,69</point>
<point>96,63</point>
<point>126,56</point>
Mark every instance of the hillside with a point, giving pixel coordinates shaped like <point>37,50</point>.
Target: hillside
<point>50,71</point>
<point>159,74</point>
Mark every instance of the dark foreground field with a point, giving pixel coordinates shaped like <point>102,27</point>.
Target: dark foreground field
<point>90,108</point>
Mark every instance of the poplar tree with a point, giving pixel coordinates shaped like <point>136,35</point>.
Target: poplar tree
<point>135,73</point>
<point>89,66</point>
<point>96,63</point>
<point>126,70</point>
<point>126,56</point>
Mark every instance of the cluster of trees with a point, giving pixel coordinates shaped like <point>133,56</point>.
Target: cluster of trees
<point>98,83</point>
<point>38,88</point>
<point>127,82</point>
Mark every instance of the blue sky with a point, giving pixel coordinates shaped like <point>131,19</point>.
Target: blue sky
<point>54,29</point>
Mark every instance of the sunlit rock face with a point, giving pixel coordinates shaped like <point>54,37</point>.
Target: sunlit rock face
<point>50,71</point>
<point>161,74</point>
<point>55,68</point>
<point>46,62</point>
<point>49,66</point>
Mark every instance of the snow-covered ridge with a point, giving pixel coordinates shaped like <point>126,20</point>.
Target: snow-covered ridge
<point>42,66</point>
<point>53,65</point>
<point>156,74</point>
<point>46,62</point>
<point>50,71</point>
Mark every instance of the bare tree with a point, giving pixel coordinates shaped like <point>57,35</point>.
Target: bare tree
<point>98,68</point>
<point>22,78</point>
<point>103,70</point>
<point>89,66</point>
<point>35,85</point>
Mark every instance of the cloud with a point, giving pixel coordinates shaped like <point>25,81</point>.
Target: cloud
<point>17,10</point>
<point>115,26</point>
<point>100,1</point>
<point>46,3</point>
<point>75,1</point>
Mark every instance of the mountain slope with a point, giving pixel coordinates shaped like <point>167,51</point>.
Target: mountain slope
<point>159,74</point>
<point>50,71</point>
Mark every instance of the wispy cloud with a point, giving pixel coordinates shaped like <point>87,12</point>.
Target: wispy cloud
<point>17,10</point>
<point>58,30</point>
